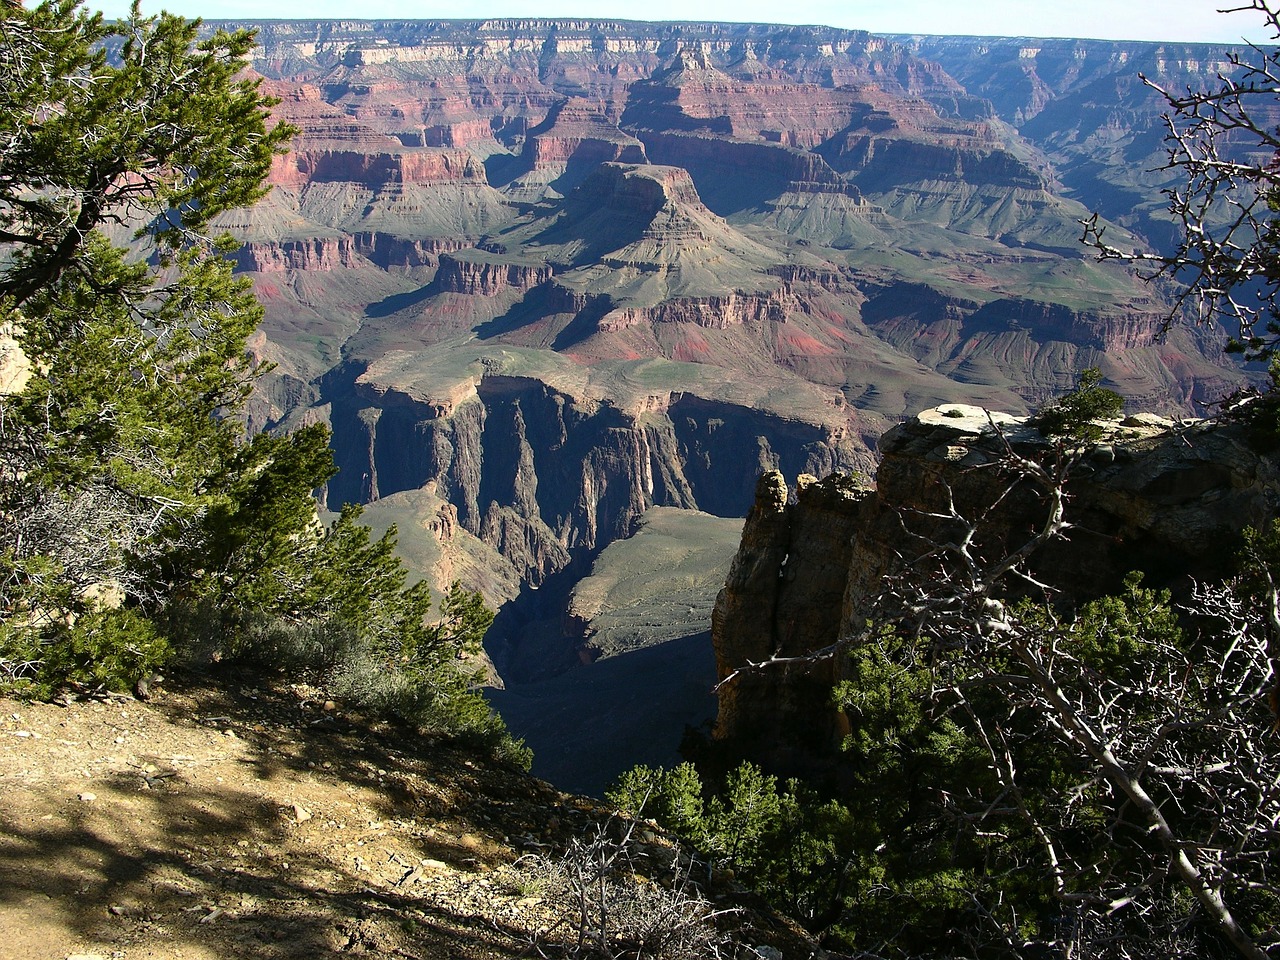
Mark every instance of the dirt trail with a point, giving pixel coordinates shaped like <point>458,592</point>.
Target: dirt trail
<point>221,824</point>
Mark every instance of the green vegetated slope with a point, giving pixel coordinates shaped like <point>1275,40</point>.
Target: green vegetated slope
<point>633,704</point>
<point>658,585</point>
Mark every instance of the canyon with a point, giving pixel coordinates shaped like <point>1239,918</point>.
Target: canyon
<point>541,277</point>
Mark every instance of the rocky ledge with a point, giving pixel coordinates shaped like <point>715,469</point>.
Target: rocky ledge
<point>1167,498</point>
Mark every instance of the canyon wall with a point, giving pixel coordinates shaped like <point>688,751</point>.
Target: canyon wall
<point>543,274</point>
<point>547,478</point>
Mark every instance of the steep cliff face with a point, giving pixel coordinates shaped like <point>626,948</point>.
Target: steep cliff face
<point>326,253</point>
<point>546,478</point>
<point>580,131</point>
<point>783,598</point>
<point>479,278</point>
<point>1168,500</point>
<point>376,169</point>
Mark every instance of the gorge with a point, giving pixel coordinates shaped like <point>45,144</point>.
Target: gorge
<point>540,277</point>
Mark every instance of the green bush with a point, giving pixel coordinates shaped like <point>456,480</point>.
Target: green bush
<point>98,651</point>
<point>1074,415</point>
<point>786,842</point>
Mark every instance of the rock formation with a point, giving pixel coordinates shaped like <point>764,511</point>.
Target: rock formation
<point>545,476</point>
<point>15,367</point>
<point>554,272</point>
<point>1164,498</point>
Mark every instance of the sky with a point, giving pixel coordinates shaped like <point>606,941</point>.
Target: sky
<point>1172,20</point>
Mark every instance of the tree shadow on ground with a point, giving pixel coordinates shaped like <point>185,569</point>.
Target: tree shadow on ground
<point>153,858</point>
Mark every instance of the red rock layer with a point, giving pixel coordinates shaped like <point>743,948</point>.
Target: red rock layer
<point>486,279</point>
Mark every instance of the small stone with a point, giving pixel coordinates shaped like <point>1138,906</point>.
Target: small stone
<point>330,706</point>
<point>411,877</point>
<point>301,813</point>
<point>1103,454</point>
<point>86,797</point>
<point>22,733</point>
<point>1151,420</point>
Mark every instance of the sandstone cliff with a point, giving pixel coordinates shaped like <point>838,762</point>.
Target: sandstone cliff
<point>1166,499</point>
<point>545,477</point>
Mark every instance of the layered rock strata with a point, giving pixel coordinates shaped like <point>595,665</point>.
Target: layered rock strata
<point>547,273</point>
<point>546,477</point>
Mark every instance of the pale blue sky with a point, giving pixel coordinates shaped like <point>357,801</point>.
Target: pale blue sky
<point>1187,20</point>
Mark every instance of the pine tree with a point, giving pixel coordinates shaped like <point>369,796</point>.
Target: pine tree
<point>136,517</point>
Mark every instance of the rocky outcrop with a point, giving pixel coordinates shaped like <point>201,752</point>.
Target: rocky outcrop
<point>715,161</point>
<point>878,161</point>
<point>318,254</point>
<point>335,145</point>
<point>392,252</point>
<point>458,134</point>
<point>487,279</point>
<point>309,164</point>
<point>782,599</point>
<point>581,131</point>
<point>1112,332</point>
<point>1169,500</point>
<point>717,312</point>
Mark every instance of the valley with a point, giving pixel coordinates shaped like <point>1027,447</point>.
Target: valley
<point>543,278</point>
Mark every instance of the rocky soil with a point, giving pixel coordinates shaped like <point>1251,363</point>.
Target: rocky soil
<point>261,820</point>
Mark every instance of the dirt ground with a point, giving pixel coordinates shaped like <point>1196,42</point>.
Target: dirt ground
<point>255,822</point>
<point>259,819</point>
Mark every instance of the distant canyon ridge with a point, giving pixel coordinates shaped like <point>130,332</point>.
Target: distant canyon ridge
<point>540,276</point>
